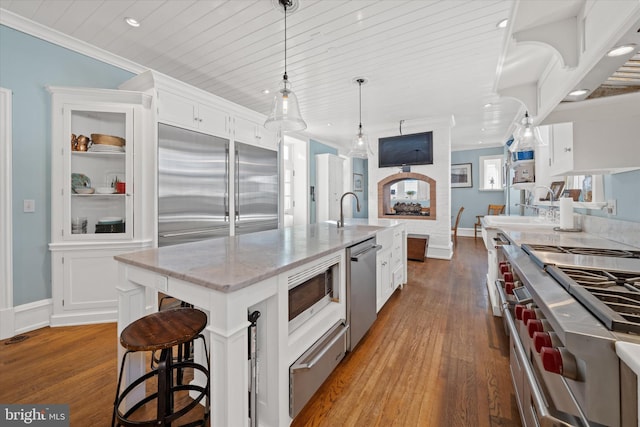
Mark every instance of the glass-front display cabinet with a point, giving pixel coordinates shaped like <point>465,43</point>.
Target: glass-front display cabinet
<point>99,168</point>
<point>97,212</point>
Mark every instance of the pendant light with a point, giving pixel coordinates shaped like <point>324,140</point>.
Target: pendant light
<point>360,143</point>
<point>527,136</point>
<point>285,111</point>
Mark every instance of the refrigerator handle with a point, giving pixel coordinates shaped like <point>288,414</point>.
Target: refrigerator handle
<point>237,187</point>
<point>226,184</point>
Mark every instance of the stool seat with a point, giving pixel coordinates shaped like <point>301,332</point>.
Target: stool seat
<point>161,330</point>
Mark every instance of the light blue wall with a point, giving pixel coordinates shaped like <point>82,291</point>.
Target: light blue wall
<point>475,202</point>
<point>361,166</point>
<point>315,148</point>
<point>27,65</point>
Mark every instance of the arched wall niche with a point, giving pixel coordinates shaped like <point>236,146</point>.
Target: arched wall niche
<point>407,195</point>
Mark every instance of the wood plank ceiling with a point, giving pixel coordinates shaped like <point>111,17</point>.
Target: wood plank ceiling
<point>423,58</point>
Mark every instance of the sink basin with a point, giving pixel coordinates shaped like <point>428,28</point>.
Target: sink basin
<point>517,221</point>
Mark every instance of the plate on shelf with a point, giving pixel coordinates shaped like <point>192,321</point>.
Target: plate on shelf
<point>105,190</point>
<point>103,148</point>
<point>79,180</point>
<point>110,220</point>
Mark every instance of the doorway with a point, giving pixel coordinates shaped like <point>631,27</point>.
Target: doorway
<point>295,181</point>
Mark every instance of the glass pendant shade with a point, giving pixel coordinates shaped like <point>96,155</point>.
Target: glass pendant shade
<point>360,146</point>
<point>285,111</point>
<point>526,136</point>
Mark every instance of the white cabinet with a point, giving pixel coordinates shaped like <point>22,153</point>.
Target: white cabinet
<point>391,262</point>
<point>186,112</point>
<point>252,132</point>
<point>329,186</point>
<point>92,217</point>
<point>596,136</point>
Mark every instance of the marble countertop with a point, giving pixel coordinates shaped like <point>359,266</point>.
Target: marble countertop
<point>228,264</point>
<point>630,354</point>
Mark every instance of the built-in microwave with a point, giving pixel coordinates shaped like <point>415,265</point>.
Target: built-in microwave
<point>312,291</point>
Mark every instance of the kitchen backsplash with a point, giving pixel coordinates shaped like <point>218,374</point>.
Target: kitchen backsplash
<point>626,232</point>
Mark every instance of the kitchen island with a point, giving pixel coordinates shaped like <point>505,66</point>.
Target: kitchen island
<point>229,278</point>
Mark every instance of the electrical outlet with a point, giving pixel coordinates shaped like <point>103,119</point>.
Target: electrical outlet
<point>612,207</point>
<point>28,205</point>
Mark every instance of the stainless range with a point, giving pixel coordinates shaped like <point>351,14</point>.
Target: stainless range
<point>564,309</point>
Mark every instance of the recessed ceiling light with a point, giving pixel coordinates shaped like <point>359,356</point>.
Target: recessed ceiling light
<point>578,92</point>
<point>621,50</point>
<point>329,124</point>
<point>479,142</point>
<point>487,105</point>
<point>132,22</point>
<point>483,129</point>
<point>266,91</point>
<point>503,23</point>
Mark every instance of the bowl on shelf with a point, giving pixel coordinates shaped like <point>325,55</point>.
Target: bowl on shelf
<point>84,190</point>
<point>98,138</point>
<point>105,190</point>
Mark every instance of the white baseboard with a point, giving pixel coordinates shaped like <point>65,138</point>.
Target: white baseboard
<point>83,318</point>
<point>439,252</point>
<point>31,316</point>
<point>7,324</point>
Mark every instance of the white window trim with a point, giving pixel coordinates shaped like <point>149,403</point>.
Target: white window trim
<point>481,161</point>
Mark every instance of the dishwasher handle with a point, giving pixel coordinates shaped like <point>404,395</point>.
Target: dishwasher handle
<point>357,256</point>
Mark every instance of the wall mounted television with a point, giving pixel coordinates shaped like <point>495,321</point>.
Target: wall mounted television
<point>406,150</point>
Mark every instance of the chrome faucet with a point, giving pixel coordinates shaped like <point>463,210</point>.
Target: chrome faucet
<point>341,220</point>
<point>544,187</point>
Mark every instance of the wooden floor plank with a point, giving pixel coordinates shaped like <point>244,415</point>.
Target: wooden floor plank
<point>435,356</point>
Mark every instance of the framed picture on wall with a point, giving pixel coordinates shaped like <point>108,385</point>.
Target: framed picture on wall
<point>461,175</point>
<point>358,182</point>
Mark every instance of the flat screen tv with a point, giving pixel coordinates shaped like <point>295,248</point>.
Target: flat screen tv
<point>401,150</point>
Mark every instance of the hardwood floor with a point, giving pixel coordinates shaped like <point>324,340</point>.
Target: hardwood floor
<point>435,356</point>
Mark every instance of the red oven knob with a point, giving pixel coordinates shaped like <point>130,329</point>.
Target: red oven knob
<point>546,339</point>
<point>527,314</point>
<point>508,277</point>
<point>551,359</point>
<point>559,361</point>
<point>536,325</point>
<point>519,308</point>
<point>504,267</point>
<point>508,288</point>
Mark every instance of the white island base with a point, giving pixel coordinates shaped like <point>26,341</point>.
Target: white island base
<point>229,278</point>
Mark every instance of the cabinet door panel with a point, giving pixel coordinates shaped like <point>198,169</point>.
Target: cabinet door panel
<point>562,148</point>
<point>177,109</point>
<point>212,120</point>
<point>245,130</point>
<point>89,281</point>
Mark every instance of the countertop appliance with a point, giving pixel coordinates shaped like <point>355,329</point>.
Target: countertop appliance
<point>569,307</point>
<point>194,172</point>
<point>361,290</point>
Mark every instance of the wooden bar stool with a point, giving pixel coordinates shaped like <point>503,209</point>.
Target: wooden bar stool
<point>162,331</point>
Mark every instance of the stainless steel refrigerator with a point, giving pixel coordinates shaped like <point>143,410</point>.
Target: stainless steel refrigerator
<point>194,172</point>
<point>256,189</point>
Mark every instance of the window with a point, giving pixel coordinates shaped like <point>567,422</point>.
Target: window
<point>491,173</point>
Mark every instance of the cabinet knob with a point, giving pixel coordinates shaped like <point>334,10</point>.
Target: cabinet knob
<point>567,149</point>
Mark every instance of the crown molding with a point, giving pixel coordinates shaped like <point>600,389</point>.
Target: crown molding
<point>50,35</point>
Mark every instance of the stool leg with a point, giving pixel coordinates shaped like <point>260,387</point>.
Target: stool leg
<point>117,399</point>
<point>165,386</point>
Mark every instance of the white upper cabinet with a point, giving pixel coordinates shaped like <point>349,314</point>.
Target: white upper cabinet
<point>598,136</point>
<point>253,132</point>
<point>191,114</point>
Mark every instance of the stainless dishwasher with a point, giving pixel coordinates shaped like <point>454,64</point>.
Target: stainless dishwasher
<point>361,290</point>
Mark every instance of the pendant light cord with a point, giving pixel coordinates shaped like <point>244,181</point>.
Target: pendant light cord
<point>284,4</point>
